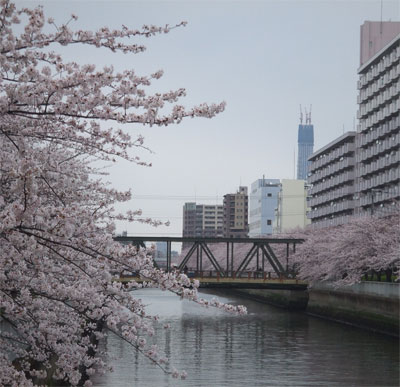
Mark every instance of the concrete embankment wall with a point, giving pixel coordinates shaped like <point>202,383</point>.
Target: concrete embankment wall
<point>370,305</point>
<point>289,299</point>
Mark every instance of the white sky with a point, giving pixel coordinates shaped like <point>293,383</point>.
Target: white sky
<point>263,58</point>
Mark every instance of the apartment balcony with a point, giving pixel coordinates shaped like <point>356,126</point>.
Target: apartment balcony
<point>386,162</point>
<point>331,183</point>
<point>369,106</point>
<point>382,147</point>
<point>377,197</point>
<point>335,221</point>
<point>331,210</point>
<point>332,156</point>
<point>329,196</point>
<point>370,136</point>
<point>387,178</point>
<point>331,169</point>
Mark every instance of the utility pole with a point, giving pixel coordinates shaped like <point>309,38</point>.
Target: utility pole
<point>373,192</point>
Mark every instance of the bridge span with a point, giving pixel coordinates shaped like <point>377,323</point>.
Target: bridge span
<point>273,272</point>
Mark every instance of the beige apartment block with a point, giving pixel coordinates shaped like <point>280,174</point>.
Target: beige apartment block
<point>236,223</point>
<point>202,220</point>
<point>291,211</point>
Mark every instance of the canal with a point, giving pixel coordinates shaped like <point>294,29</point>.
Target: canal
<point>268,347</point>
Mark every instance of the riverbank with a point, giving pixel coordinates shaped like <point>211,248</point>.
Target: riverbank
<point>368,305</point>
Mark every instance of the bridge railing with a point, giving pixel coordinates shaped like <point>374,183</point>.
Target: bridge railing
<point>193,273</point>
<point>257,274</point>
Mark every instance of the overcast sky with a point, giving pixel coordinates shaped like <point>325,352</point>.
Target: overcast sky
<point>263,58</point>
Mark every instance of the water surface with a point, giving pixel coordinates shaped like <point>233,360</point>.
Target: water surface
<point>268,347</point>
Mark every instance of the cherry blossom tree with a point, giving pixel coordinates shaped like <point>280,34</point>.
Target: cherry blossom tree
<point>344,254</point>
<point>341,255</point>
<point>57,217</point>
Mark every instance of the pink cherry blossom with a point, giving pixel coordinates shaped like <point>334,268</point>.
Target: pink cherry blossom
<point>58,259</point>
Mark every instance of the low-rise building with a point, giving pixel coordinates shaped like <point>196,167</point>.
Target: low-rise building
<point>263,203</point>
<point>291,210</point>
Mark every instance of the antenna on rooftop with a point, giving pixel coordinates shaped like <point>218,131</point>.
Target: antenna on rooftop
<point>309,115</point>
<point>301,116</point>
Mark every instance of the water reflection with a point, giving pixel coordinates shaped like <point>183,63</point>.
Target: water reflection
<point>268,347</point>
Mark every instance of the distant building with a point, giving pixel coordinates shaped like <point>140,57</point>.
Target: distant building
<point>291,210</point>
<point>200,220</point>
<point>263,202</point>
<point>160,254</point>
<point>378,137</point>
<point>305,141</point>
<point>235,210</point>
<point>331,179</point>
<point>161,250</point>
<point>189,220</point>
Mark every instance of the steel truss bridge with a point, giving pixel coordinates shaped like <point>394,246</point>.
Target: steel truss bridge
<point>226,275</point>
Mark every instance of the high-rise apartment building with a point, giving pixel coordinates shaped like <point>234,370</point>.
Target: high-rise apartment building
<point>331,178</point>
<point>378,137</point>
<point>236,214</point>
<point>291,210</point>
<point>200,220</point>
<point>359,173</point>
<point>305,142</point>
<point>263,202</point>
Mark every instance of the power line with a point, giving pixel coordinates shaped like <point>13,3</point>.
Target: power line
<point>156,217</point>
<point>205,197</point>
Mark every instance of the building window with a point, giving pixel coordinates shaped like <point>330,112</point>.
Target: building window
<point>269,222</point>
<point>269,195</point>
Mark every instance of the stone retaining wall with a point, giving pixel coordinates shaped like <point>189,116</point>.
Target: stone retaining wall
<point>370,305</point>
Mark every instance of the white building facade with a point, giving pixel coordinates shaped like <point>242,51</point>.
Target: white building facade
<point>263,202</point>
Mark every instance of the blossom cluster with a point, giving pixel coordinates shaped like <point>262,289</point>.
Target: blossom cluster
<point>58,258</point>
<point>341,255</point>
<point>344,254</point>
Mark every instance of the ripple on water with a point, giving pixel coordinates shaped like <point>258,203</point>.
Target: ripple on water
<point>268,347</point>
